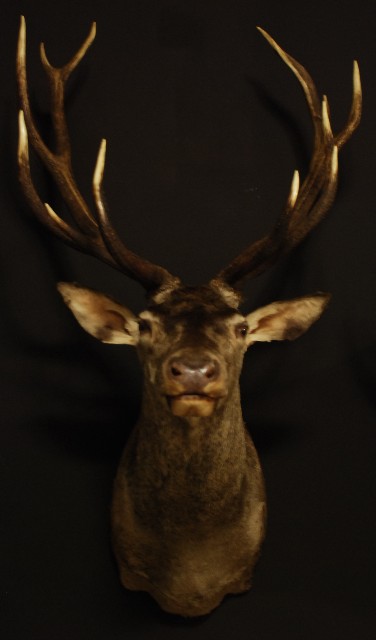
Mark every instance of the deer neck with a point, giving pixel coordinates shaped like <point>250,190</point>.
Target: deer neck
<point>191,466</point>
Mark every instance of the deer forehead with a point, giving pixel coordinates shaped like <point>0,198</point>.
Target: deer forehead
<point>186,305</point>
<point>195,317</point>
<point>192,322</point>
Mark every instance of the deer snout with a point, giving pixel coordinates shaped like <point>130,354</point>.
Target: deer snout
<point>193,374</point>
<point>194,384</point>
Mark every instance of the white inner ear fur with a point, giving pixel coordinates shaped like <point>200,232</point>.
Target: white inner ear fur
<point>99,315</point>
<point>285,320</point>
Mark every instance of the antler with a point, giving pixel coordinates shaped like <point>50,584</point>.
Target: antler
<point>93,235</point>
<point>308,205</point>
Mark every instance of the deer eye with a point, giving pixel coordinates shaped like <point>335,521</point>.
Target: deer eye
<point>241,330</point>
<point>144,326</point>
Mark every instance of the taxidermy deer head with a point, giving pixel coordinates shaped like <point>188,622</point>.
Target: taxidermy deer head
<point>189,506</point>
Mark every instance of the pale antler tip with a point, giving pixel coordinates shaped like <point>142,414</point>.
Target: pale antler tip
<point>356,79</point>
<point>22,26</point>
<point>271,40</point>
<point>334,163</point>
<point>325,116</point>
<point>21,119</point>
<point>99,166</point>
<point>61,224</point>
<point>21,40</point>
<point>91,37</point>
<point>43,55</point>
<point>23,147</point>
<point>294,190</point>
<point>284,56</point>
<point>97,182</point>
<point>261,30</point>
<point>50,211</point>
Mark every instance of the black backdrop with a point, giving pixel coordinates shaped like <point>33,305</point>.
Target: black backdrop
<point>205,126</point>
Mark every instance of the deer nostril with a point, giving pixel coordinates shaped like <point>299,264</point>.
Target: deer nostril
<point>176,370</point>
<point>210,370</point>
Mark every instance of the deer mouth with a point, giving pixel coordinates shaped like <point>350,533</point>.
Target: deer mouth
<point>192,404</point>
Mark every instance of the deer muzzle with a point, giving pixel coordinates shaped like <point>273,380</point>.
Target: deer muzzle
<point>194,384</point>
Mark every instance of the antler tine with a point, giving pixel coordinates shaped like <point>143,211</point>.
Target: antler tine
<point>148,274</point>
<point>97,238</point>
<point>309,204</point>
<point>53,222</point>
<point>355,111</point>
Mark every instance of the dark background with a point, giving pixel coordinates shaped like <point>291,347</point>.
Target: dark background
<point>205,126</point>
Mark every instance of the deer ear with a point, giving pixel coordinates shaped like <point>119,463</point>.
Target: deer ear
<point>285,320</point>
<point>99,315</point>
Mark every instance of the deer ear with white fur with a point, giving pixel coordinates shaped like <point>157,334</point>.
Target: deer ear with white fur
<point>285,320</point>
<point>99,315</point>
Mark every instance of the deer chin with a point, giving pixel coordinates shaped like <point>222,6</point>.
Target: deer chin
<point>190,405</point>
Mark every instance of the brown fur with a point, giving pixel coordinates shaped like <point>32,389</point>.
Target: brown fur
<point>188,512</point>
<point>188,519</point>
<point>189,505</point>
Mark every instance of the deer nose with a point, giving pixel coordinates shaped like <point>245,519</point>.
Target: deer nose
<point>193,374</point>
